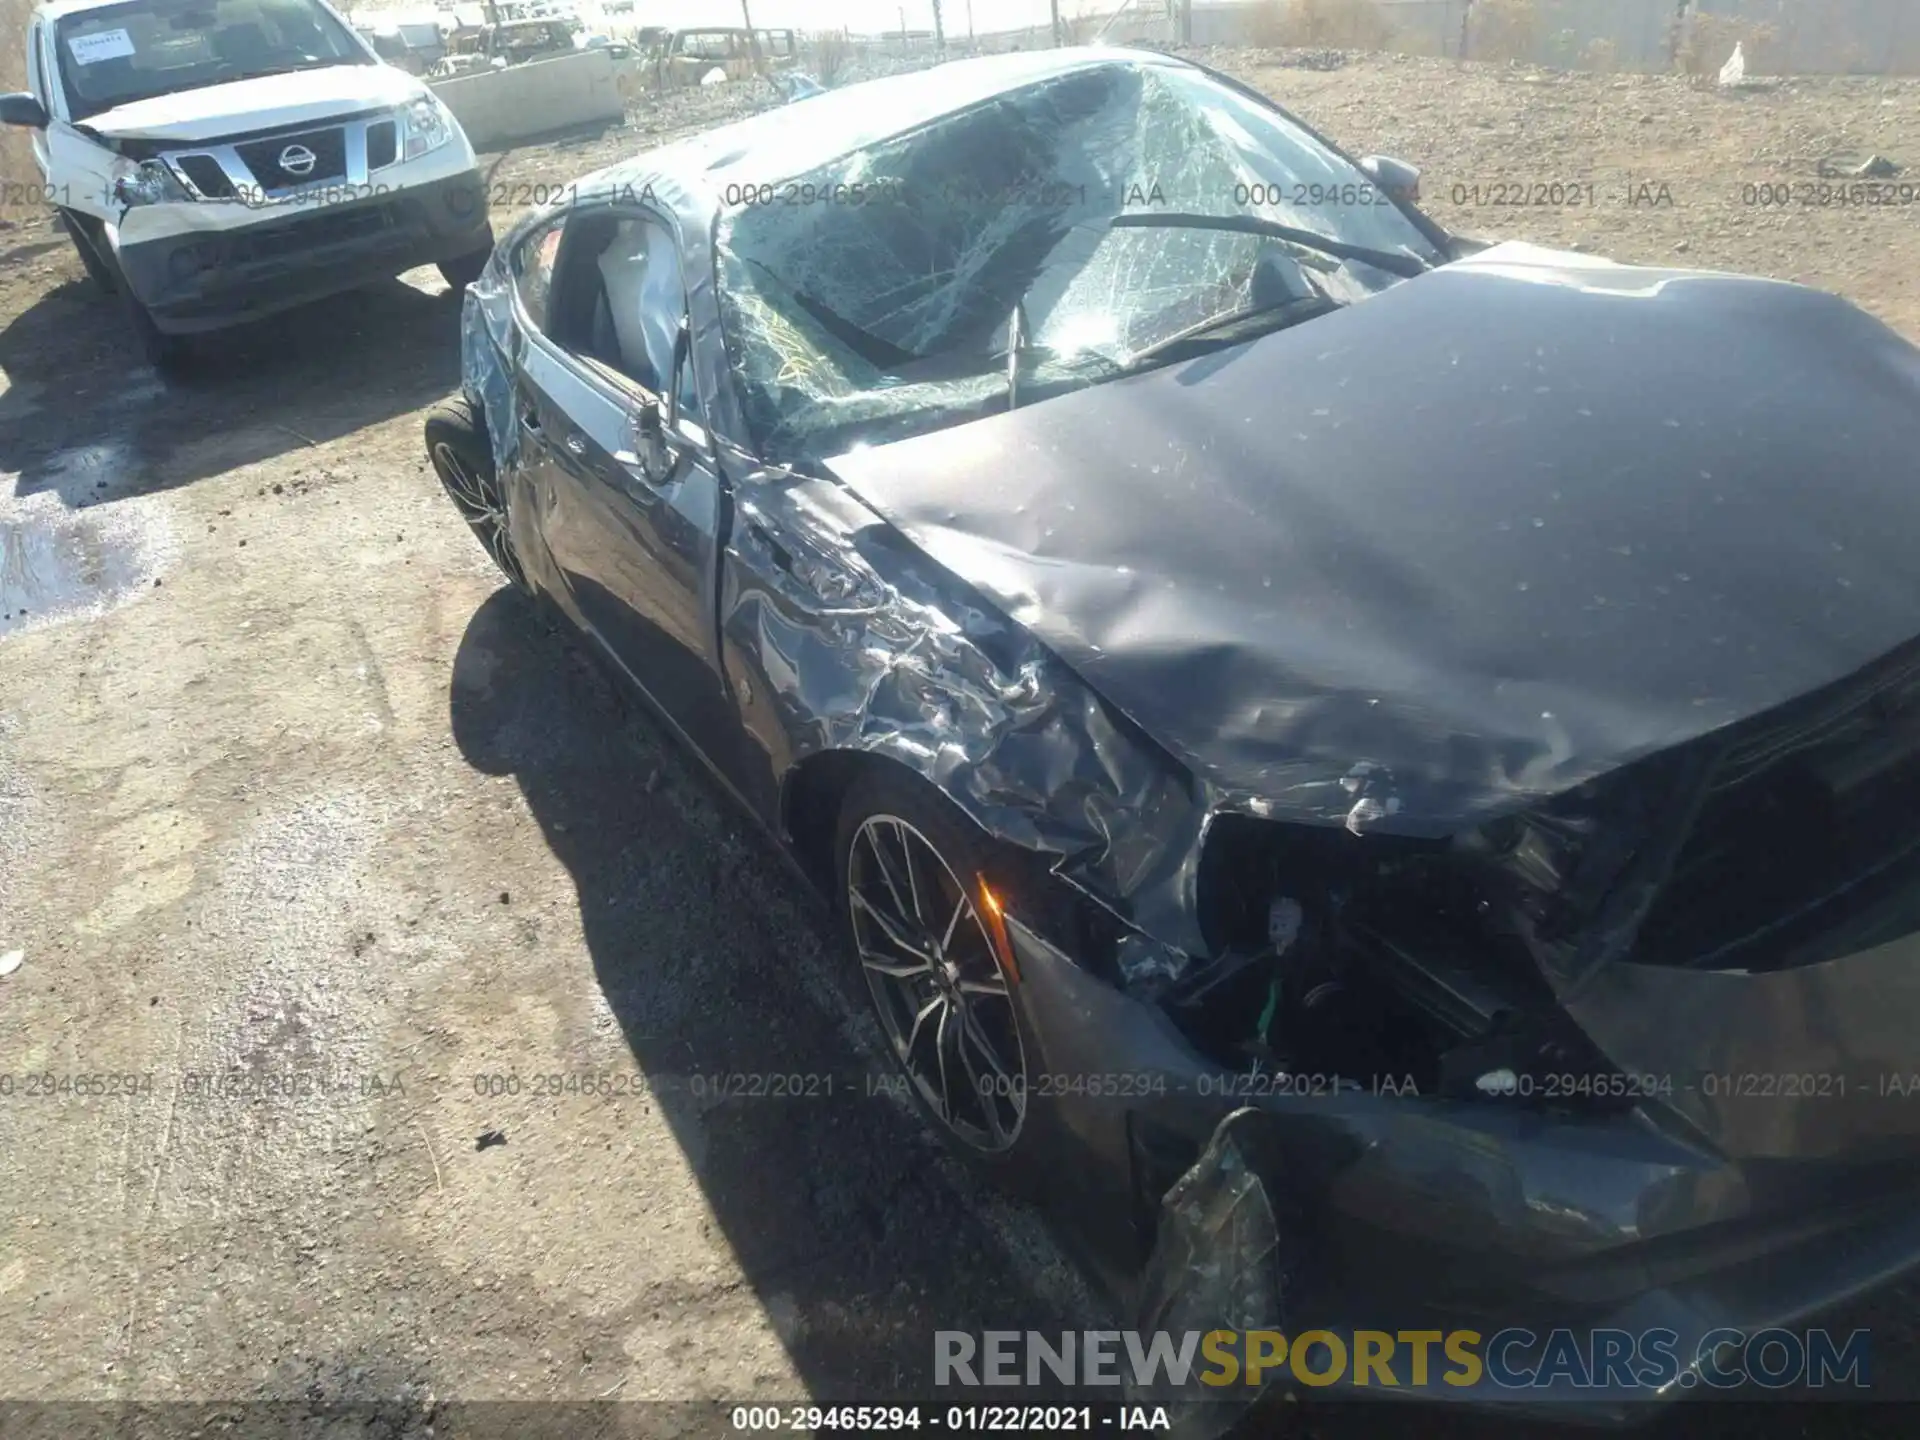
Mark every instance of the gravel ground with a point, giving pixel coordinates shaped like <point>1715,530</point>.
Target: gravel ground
<point>291,788</point>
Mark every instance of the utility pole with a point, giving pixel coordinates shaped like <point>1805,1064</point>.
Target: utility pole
<point>970,24</point>
<point>939,29</point>
<point>753,38</point>
<point>1056,21</point>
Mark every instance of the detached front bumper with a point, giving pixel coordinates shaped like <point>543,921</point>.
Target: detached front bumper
<point>210,279</point>
<point>1316,1208</point>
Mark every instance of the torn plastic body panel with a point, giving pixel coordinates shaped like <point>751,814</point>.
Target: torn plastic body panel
<point>1230,1219</point>
<point>1300,1204</point>
<point>1763,948</point>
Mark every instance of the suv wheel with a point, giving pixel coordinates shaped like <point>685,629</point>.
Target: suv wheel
<point>84,235</point>
<point>463,270</point>
<point>166,353</point>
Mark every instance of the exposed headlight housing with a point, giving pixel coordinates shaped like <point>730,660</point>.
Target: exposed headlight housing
<point>426,125</point>
<point>149,183</point>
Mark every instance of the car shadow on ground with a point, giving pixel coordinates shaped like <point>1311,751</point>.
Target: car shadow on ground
<point>859,1235</point>
<point>84,417</point>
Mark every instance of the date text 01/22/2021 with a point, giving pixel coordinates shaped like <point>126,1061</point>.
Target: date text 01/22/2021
<point>955,1419</point>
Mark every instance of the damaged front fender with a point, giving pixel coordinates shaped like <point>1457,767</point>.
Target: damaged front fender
<point>861,645</point>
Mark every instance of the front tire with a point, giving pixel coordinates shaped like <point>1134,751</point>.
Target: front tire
<point>81,233</point>
<point>166,353</point>
<point>462,457</point>
<point>911,873</point>
<point>463,270</point>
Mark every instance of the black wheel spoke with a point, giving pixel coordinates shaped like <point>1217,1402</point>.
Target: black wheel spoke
<point>960,910</point>
<point>940,1056</point>
<point>466,491</point>
<point>983,1098</point>
<point>891,929</point>
<point>937,1005</point>
<point>894,969</point>
<point>480,506</point>
<point>970,1030</point>
<point>913,884</point>
<point>886,874</point>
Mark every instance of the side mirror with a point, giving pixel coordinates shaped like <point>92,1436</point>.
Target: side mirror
<point>650,441</point>
<point>22,109</point>
<point>1396,177</point>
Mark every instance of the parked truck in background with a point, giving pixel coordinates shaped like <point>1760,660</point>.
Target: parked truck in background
<point>217,161</point>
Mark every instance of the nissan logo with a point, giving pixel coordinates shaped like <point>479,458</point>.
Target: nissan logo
<point>297,160</point>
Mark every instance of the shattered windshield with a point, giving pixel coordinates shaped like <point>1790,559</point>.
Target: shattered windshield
<point>881,295</point>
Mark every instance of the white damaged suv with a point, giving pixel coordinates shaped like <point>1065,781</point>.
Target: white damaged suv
<point>216,161</point>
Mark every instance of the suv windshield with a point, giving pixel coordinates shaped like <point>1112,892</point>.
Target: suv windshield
<point>1113,207</point>
<point>121,53</point>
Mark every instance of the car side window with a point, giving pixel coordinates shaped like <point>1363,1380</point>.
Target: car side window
<point>626,301</point>
<point>533,272</point>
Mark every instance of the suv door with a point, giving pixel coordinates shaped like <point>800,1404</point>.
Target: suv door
<point>632,525</point>
<point>79,170</point>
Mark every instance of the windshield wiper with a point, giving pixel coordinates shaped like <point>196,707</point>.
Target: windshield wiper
<point>1395,262</point>
<point>1289,311</point>
<point>269,71</point>
<point>1016,350</point>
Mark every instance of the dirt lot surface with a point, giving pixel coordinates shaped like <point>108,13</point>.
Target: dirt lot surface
<point>292,789</point>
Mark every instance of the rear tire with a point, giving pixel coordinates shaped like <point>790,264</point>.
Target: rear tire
<point>82,233</point>
<point>462,458</point>
<point>901,847</point>
<point>463,270</point>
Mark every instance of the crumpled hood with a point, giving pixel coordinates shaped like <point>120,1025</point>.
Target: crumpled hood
<point>1486,535</point>
<point>266,103</point>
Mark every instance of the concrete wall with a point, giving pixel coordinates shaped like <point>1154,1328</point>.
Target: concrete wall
<point>500,108</point>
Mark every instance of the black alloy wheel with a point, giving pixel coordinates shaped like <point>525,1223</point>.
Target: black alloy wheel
<point>912,883</point>
<point>462,457</point>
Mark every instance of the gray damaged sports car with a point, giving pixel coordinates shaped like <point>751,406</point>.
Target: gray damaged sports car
<point>1404,745</point>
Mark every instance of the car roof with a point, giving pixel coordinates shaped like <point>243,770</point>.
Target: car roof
<point>782,142</point>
